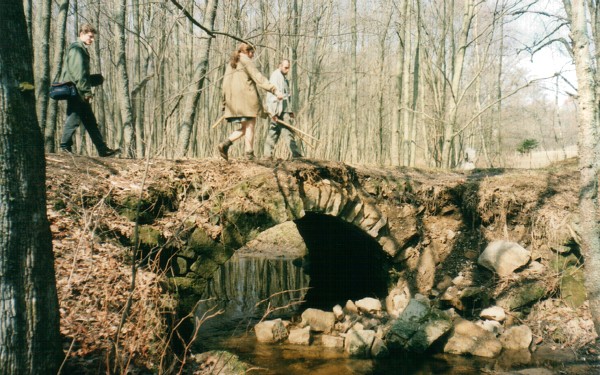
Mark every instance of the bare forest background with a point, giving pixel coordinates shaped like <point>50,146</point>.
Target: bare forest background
<point>382,82</point>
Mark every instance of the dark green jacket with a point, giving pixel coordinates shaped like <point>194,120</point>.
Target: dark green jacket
<point>77,68</point>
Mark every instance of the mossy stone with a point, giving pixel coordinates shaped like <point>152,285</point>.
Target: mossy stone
<point>187,285</point>
<point>572,288</point>
<point>522,295</point>
<point>205,267</point>
<point>150,237</point>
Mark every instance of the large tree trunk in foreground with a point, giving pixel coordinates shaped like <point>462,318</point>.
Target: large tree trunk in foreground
<point>29,321</point>
<point>587,119</point>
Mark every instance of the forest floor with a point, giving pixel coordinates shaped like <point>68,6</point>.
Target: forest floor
<point>107,328</point>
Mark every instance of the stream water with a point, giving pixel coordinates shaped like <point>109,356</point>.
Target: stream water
<point>241,290</point>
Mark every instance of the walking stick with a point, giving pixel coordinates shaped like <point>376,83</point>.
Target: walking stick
<point>295,129</point>
<point>218,122</point>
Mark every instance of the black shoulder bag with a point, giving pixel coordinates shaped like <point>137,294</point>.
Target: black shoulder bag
<point>63,90</point>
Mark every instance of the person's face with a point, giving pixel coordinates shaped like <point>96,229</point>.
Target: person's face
<point>87,38</point>
<point>250,53</point>
<point>284,67</point>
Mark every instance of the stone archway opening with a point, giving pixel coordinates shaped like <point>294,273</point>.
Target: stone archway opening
<point>343,262</point>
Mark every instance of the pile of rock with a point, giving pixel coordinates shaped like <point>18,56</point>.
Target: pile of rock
<point>414,323</point>
<point>364,329</point>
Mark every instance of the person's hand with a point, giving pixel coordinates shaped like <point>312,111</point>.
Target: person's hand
<point>274,118</point>
<point>279,95</point>
<point>88,99</point>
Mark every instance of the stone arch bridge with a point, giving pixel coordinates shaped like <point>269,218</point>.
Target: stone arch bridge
<point>426,225</point>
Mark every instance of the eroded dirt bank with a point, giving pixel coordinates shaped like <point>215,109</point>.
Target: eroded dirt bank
<point>440,223</point>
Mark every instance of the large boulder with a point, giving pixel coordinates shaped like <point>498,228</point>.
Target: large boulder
<point>358,343</point>
<point>300,336</point>
<point>504,257</point>
<point>330,341</point>
<point>469,338</point>
<point>271,331</point>
<point>398,299</point>
<point>516,338</point>
<point>318,320</point>
<point>417,328</point>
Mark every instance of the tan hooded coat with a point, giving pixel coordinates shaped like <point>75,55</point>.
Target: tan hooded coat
<point>240,92</point>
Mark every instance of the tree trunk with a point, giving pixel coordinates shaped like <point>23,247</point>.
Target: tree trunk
<point>354,90</point>
<point>199,77</point>
<point>457,72</point>
<point>397,118</point>
<point>415,90</point>
<point>137,98</point>
<point>29,320</point>
<point>124,96</point>
<point>406,85</point>
<point>587,118</point>
<point>100,111</point>
<point>42,61</point>
<point>61,22</point>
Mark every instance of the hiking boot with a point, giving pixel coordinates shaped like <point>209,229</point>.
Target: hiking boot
<point>223,148</point>
<point>109,152</point>
<point>250,155</point>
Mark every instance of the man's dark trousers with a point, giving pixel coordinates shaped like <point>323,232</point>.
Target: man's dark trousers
<point>80,111</point>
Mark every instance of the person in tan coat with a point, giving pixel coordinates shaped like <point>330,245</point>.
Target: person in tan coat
<point>241,102</point>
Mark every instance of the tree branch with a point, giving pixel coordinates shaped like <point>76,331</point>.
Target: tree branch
<point>191,18</point>
<point>212,33</point>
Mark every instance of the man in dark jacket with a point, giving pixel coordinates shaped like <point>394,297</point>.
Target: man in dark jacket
<point>77,70</point>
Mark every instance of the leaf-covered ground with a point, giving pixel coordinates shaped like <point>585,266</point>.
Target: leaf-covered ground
<point>108,325</point>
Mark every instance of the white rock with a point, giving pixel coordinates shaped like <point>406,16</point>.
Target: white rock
<point>397,300</point>
<point>493,313</point>
<point>491,326</point>
<point>318,320</point>
<point>504,257</point>
<point>370,305</point>
<point>329,341</point>
<point>300,336</point>
<point>338,312</point>
<point>270,331</point>
<point>351,307</point>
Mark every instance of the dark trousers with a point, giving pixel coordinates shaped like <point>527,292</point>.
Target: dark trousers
<point>80,111</point>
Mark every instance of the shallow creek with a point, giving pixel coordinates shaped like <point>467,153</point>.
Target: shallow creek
<point>243,282</point>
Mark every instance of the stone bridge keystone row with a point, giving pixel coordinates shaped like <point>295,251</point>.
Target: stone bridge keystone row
<point>350,205</point>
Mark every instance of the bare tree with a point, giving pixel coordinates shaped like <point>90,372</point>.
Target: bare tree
<point>124,94</point>
<point>29,319</point>
<point>589,155</point>
<point>199,78</point>
<point>42,60</point>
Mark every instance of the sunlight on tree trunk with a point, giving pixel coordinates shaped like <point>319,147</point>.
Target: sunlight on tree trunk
<point>588,153</point>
